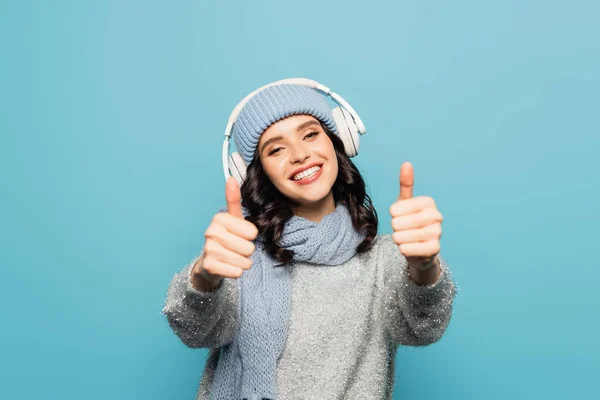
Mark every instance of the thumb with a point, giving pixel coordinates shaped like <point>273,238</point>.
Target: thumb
<point>407,180</point>
<point>233,196</point>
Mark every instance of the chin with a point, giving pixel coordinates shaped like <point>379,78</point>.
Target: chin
<point>316,198</point>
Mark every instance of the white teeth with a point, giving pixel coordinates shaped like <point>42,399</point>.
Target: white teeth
<point>306,174</point>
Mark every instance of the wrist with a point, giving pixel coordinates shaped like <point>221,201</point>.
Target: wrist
<point>424,271</point>
<point>422,263</point>
<point>203,284</point>
<point>201,281</point>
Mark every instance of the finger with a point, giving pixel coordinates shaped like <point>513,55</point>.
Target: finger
<point>230,241</point>
<point>418,220</point>
<point>429,232</point>
<point>422,249</point>
<point>411,206</point>
<point>223,254</point>
<point>237,226</point>
<point>233,196</point>
<point>407,180</point>
<point>214,267</point>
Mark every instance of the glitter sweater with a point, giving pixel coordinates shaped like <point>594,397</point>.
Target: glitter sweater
<point>346,323</point>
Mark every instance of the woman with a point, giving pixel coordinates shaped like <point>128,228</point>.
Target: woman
<point>295,293</point>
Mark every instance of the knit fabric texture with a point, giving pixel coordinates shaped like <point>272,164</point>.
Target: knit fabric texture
<point>247,367</point>
<point>271,105</point>
<point>345,324</point>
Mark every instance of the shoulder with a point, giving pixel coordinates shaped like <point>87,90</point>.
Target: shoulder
<point>383,240</point>
<point>384,243</point>
<point>384,248</point>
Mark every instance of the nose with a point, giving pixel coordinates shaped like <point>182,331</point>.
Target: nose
<point>299,153</point>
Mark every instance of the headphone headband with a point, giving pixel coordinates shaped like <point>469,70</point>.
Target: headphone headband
<point>291,81</point>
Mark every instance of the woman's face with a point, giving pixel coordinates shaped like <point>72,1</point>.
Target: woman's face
<point>299,159</point>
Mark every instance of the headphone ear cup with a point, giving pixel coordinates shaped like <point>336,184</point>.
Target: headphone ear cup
<point>347,130</point>
<point>237,167</point>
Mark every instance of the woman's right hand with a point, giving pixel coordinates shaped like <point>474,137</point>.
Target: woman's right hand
<point>228,246</point>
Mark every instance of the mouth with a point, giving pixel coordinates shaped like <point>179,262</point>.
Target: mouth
<point>307,175</point>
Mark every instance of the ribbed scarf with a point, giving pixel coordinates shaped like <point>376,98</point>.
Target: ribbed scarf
<point>247,366</point>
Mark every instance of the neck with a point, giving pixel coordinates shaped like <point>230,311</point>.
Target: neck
<point>317,210</point>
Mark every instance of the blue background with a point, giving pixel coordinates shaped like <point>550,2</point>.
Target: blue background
<point>111,121</point>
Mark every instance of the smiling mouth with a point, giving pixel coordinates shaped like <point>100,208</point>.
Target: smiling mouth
<point>307,173</point>
<point>308,176</point>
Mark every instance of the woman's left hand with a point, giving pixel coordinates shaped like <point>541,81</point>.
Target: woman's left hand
<point>416,222</point>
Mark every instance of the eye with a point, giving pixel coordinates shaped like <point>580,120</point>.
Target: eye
<point>311,135</point>
<point>274,151</point>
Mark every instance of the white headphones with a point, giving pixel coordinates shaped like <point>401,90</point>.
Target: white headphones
<point>347,122</point>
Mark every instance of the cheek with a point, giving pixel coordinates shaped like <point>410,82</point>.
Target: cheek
<point>268,168</point>
<point>274,171</point>
<point>333,160</point>
<point>335,167</point>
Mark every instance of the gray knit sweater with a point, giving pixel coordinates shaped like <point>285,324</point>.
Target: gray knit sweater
<point>346,323</point>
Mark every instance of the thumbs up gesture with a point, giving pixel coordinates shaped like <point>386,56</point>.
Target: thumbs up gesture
<point>416,222</point>
<point>229,243</point>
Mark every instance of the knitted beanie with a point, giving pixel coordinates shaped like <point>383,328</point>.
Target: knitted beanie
<point>271,105</point>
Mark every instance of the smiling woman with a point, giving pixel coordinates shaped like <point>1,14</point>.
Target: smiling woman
<point>295,293</point>
<point>285,148</point>
<point>301,169</point>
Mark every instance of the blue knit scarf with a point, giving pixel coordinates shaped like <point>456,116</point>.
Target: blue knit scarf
<point>247,366</point>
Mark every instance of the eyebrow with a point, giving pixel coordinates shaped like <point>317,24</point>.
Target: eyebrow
<point>306,124</point>
<point>300,127</point>
<point>268,142</point>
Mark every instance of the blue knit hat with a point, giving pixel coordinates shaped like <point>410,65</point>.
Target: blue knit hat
<point>271,105</point>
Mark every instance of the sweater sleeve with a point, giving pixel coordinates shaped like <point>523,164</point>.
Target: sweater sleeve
<point>202,319</point>
<point>414,315</point>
